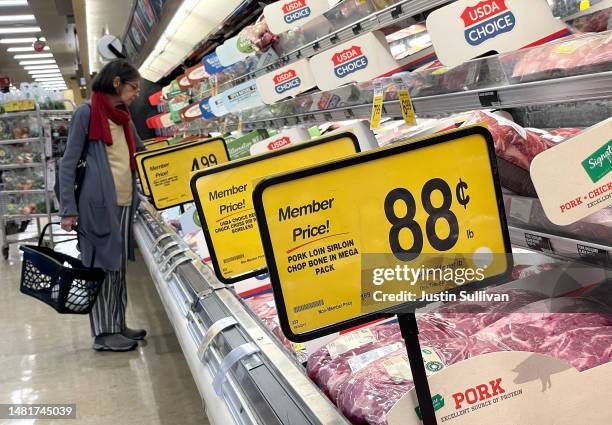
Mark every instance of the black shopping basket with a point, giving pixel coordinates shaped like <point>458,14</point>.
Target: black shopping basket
<point>59,280</point>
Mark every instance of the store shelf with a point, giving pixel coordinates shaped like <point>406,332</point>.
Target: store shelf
<point>386,17</point>
<point>558,90</point>
<point>20,166</point>
<point>562,247</point>
<point>8,115</point>
<point>24,216</point>
<point>23,192</point>
<point>19,141</point>
<point>266,387</point>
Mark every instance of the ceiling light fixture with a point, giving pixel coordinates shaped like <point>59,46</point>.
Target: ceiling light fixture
<point>8,3</point>
<point>37,62</point>
<point>24,49</point>
<point>17,18</point>
<point>17,30</point>
<point>30,67</point>
<point>34,56</point>
<point>44,71</point>
<point>177,40</point>
<point>19,40</point>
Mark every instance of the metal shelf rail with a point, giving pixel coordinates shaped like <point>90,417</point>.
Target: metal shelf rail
<point>267,385</point>
<point>558,90</point>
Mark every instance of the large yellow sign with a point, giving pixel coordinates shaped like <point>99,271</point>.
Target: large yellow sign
<point>167,172</point>
<point>343,240</point>
<point>223,196</point>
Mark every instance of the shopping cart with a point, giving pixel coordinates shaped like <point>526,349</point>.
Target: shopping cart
<point>59,280</point>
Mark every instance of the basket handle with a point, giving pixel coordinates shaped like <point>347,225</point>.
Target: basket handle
<point>41,238</point>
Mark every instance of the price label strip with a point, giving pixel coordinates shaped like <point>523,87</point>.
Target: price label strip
<point>405,102</point>
<point>139,156</point>
<point>223,197</point>
<point>328,230</point>
<point>377,105</point>
<point>168,172</point>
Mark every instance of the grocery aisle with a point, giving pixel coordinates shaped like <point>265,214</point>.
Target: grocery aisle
<point>47,358</point>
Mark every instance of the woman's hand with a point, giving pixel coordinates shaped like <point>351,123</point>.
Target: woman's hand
<point>68,223</point>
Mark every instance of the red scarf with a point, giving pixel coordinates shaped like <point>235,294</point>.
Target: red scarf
<point>101,112</point>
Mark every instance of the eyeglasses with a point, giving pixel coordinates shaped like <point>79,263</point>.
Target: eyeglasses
<point>135,87</point>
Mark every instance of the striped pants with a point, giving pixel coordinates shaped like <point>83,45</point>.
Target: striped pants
<point>108,313</point>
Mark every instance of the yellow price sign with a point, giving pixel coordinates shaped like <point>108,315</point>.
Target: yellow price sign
<point>407,107</point>
<point>153,148</point>
<point>168,171</point>
<point>223,197</point>
<point>338,236</point>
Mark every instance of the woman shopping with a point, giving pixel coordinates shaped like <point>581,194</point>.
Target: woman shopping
<point>102,131</point>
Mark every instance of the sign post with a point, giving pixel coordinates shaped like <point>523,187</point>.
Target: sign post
<point>383,233</point>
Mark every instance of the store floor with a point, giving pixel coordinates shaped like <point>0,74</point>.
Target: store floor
<point>47,358</point>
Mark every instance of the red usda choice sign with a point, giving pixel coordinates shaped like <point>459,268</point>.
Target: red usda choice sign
<point>487,20</point>
<point>285,81</point>
<point>295,10</point>
<point>349,61</point>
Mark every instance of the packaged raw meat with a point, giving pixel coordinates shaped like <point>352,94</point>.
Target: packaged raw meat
<point>333,358</point>
<point>463,318</point>
<point>367,396</point>
<point>527,213</point>
<point>256,37</point>
<point>577,54</point>
<point>512,142</point>
<point>559,327</point>
<point>595,22</point>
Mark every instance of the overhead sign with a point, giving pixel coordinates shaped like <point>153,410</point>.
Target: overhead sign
<point>466,29</point>
<point>288,81</point>
<point>168,172</point>
<point>574,178</point>
<point>335,234</point>
<point>361,59</point>
<point>223,196</point>
<point>284,15</point>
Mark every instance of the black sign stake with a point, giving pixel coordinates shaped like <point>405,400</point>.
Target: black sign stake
<point>410,333</point>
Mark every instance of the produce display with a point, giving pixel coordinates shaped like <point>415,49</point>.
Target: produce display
<point>20,154</point>
<point>23,179</point>
<point>19,128</point>
<point>25,204</point>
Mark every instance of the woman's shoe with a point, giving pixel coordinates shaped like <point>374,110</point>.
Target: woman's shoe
<point>134,334</point>
<point>113,342</point>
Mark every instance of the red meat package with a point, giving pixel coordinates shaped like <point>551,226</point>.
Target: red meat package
<point>329,366</point>
<point>584,52</point>
<point>512,142</point>
<point>369,394</point>
<point>576,330</point>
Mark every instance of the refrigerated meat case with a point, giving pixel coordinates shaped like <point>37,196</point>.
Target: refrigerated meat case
<point>243,372</point>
